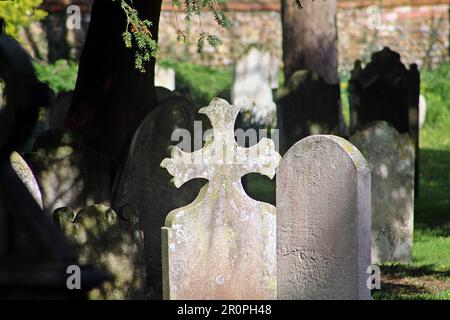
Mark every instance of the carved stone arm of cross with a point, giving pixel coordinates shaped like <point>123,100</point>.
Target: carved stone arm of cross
<point>222,152</point>
<point>185,166</point>
<point>261,158</point>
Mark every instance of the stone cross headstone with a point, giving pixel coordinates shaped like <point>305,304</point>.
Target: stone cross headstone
<point>307,105</point>
<point>323,221</point>
<point>69,174</point>
<point>26,175</point>
<point>110,242</point>
<point>165,77</point>
<point>391,159</point>
<point>221,246</point>
<point>144,187</point>
<point>252,88</point>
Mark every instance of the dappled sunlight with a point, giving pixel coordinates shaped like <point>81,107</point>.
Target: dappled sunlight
<point>111,243</point>
<point>391,158</point>
<point>67,173</point>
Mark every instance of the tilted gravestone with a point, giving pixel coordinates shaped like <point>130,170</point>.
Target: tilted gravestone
<point>307,105</point>
<point>252,88</point>
<point>25,174</point>
<point>223,245</point>
<point>69,174</point>
<point>323,221</point>
<point>110,242</point>
<point>386,91</point>
<point>391,159</point>
<point>144,187</point>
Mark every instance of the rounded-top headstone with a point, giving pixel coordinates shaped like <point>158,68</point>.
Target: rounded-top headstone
<point>323,221</point>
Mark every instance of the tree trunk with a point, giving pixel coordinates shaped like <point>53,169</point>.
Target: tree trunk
<point>310,38</point>
<point>111,97</point>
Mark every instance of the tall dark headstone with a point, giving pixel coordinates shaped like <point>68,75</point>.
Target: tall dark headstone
<point>385,90</point>
<point>307,105</point>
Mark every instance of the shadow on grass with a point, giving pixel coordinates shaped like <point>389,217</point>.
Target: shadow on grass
<point>411,282</point>
<point>397,291</point>
<point>402,270</point>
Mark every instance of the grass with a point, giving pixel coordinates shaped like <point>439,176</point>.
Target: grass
<point>428,276</point>
<point>203,83</point>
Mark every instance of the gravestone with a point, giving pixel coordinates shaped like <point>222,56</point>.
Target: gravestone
<point>223,245</point>
<point>69,174</point>
<point>143,187</point>
<point>25,174</point>
<point>323,221</point>
<point>165,77</point>
<point>252,88</point>
<point>385,90</point>
<point>390,156</point>
<point>58,110</point>
<point>109,242</point>
<point>163,94</point>
<point>33,253</point>
<point>274,73</point>
<point>306,106</point>
<point>422,111</point>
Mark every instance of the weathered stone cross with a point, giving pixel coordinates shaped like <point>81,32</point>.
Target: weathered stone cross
<point>223,245</point>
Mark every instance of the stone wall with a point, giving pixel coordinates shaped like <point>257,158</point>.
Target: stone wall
<point>417,29</point>
<point>420,33</point>
<point>262,28</point>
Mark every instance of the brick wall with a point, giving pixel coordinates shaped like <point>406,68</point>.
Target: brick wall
<point>417,29</point>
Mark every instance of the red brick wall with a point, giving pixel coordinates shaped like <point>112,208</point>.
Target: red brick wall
<point>255,5</point>
<point>417,29</point>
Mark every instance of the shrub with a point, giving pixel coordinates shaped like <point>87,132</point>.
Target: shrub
<point>20,13</point>
<point>60,76</point>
